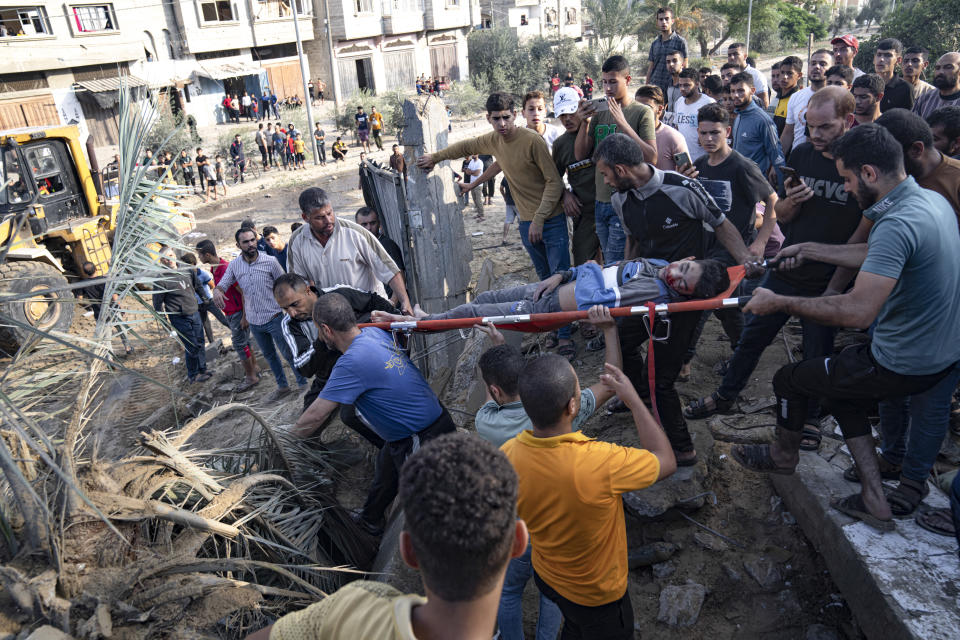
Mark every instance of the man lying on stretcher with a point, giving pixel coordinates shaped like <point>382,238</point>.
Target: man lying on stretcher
<point>625,284</point>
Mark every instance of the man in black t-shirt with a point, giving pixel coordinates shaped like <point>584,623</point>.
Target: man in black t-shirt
<point>737,185</point>
<point>664,215</point>
<point>897,94</point>
<point>815,208</point>
<point>367,218</point>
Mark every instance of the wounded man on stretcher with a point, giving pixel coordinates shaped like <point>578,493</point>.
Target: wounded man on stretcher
<point>628,283</point>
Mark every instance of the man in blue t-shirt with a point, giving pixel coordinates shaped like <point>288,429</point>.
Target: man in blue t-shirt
<point>390,394</point>
<point>908,288</point>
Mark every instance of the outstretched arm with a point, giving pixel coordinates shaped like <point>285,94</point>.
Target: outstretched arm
<point>599,316</point>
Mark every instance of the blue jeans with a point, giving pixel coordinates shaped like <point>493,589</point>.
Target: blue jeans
<point>760,331</point>
<point>610,232</point>
<point>510,614</point>
<point>266,335</point>
<point>926,417</point>
<point>190,332</point>
<point>550,255</point>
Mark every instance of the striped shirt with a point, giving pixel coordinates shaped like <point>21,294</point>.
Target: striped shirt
<point>352,256</point>
<point>659,50</point>
<point>256,282</point>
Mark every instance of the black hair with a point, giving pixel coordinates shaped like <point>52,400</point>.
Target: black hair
<point>313,198</point>
<point>712,83</point>
<point>618,148</point>
<point>731,65</point>
<point>652,92</point>
<point>462,539</point>
<point>742,77</point>
<point>236,236</point>
<point>751,61</point>
<point>948,118</point>
<point>868,144</point>
<point>268,230</point>
<point>334,311</point>
<point>890,44</point>
<point>366,211</point>
<point>546,386</point>
<point>736,45</point>
<point>189,258</point>
<point>501,366</point>
<point>500,101</point>
<point>839,70</point>
<point>714,280</point>
<point>871,82</point>
<point>921,50</point>
<point>793,62</point>
<point>675,52</point>
<point>692,74</point>
<point>907,127</point>
<point>206,246</point>
<point>706,70</point>
<point>617,63</point>
<point>775,65</point>
<point>713,112</point>
<point>292,280</point>
<point>89,268</point>
<point>248,223</point>
<point>662,10</point>
<point>294,226</point>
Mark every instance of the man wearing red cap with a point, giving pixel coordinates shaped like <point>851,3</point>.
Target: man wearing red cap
<point>844,50</point>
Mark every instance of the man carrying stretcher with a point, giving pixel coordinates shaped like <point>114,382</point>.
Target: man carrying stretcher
<point>625,284</point>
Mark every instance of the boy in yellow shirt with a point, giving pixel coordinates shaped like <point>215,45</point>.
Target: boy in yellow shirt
<point>376,127</point>
<point>298,152</point>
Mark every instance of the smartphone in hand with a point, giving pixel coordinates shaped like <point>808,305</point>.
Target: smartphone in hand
<point>789,173</point>
<point>681,159</point>
<point>600,104</point>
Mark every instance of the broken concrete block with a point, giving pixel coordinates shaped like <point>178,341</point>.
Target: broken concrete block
<point>680,606</point>
<point>763,570</point>
<point>46,632</point>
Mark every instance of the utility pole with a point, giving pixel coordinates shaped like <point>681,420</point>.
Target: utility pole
<point>334,71</point>
<point>303,76</point>
<point>749,19</point>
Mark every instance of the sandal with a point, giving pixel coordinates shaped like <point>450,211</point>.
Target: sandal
<point>891,473</point>
<point>552,340</point>
<point>698,409</point>
<point>597,344</point>
<point>853,506</point>
<point>756,457</point>
<point>720,369</point>
<point>938,521</point>
<point>686,462</point>
<point>811,438</point>
<point>616,406</point>
<point>588,331</point>
<point>906,497</point>
<point>568,351</point>
<point>245,384</point>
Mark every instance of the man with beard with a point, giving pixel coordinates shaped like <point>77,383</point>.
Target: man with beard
<point>945,125</point>
<point>815,208</point>
<point>845,50</point>
<point>867,93</point>
<point>737,52</point>
<point>685,111</point>
<point>665,216</point>
<point>255,272</point>
<point>946,79</point>
<point>921,160</point>
<point>908,289</point>
<point>754,134</point>
<point>795,131</point>
<point>329,251</point>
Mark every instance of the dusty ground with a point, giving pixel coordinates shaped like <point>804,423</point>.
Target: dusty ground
<point>797,591</point>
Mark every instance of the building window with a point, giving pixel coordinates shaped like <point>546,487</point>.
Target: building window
<point>362,6</point>
<point>24,21</point>
<point>399,7</point>
<point>27,81</point>
<point>452,3</point>
<point>213,55</point>
<point>274,9</point>
<point>218,11</point>
<point>93,18</point>
<point>571,15</point>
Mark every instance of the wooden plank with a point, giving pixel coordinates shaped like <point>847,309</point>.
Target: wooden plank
<point>11,116</point>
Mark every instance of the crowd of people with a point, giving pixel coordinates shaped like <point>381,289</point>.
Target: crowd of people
<point>841,200</point>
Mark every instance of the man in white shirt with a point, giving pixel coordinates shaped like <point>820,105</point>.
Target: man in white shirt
<point>795,132</point>
<point>686,111</point>
<point>473,171</point>
<point>737,52</point>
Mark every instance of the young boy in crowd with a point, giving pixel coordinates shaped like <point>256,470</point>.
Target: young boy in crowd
<point>298,150</point>
<point>219,177</point>
<point>670,142</point>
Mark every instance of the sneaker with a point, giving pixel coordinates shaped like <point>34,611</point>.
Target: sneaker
<point>375,530</point>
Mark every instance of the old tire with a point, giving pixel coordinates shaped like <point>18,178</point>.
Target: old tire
<point>51,311</point>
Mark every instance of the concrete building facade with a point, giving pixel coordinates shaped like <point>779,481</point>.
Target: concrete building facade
<point>380,45</point>
<point>63,60</point>
<point>532,18</point>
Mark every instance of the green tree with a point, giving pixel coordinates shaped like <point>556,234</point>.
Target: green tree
<point>797,23</point>
<point>933,24</point>
<point>843,19</point>
<point>873,12</point>
<point>613,22</point>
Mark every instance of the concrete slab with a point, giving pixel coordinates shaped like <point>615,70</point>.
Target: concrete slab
<point>899,585</point>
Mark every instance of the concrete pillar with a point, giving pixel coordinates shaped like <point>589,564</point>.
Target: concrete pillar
<point>441,251</point>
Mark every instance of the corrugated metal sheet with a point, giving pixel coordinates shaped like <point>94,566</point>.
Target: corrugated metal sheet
<point>110,84</point>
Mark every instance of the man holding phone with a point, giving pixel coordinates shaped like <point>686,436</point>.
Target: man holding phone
<point>815,208</point>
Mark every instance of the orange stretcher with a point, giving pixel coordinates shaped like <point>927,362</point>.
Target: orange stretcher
<point>537,322</point>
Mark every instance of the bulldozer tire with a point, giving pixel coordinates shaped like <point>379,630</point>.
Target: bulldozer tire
<point>51,311</point>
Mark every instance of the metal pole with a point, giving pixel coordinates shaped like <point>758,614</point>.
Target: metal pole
<point>749,19</point>
<point>303,76</point>
<point>334,74</point>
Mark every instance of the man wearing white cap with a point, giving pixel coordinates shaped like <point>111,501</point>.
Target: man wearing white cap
<point>579,196</point>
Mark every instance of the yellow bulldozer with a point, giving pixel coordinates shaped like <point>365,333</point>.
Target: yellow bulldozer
<point>54,216</point>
